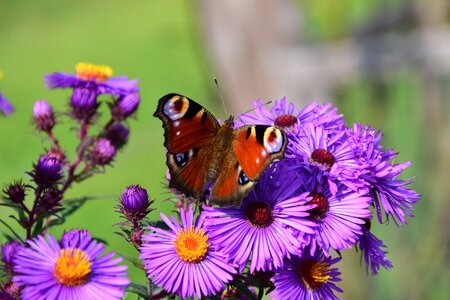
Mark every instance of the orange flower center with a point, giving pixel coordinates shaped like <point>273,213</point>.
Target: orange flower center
<point>88,71</point>
<point>72,267</point>
<point>191,244</point>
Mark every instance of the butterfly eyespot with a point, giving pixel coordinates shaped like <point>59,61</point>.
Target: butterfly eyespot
<point>181,159</point>
<point>242,179</point>
<point>273,140</point>
<point>176,107</point>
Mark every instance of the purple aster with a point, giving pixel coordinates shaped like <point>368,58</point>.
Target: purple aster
<point>9,250</point>
<point>287,116</point>
<point>338,217</point>
<point>103,152</point>
<point>117,134</point>
<point>183,260</point>
<point>125,106</point>
<point>379,173</point>
<point>43,116</point>
<point>94,77</point>
<point>328,151</point>
<point>49,270</point>
<point>134,203</point>
<point>261,229</point>
<point>308,277</point>
<point>6,108</point>
<point>47,171</point>
<point>83,103</point>
<point>371,249</point>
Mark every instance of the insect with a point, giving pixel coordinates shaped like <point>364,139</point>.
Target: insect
<point>203,154</point>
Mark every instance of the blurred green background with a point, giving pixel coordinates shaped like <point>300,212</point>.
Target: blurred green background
<point>167,46</point>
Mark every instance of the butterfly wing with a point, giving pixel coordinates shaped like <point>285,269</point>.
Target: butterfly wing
<point>231,185</point>
<point>189,130</point>
<point>254,148</point>
<point>187,124</point>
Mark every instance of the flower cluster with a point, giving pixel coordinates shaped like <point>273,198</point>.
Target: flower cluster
<point>38,266</point>
<point>303,211</point>
<point>54,172</point>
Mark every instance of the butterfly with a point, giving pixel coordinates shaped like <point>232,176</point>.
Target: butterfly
<point>203,154</point>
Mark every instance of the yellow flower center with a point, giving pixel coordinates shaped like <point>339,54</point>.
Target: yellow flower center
<point>1,75</point>
<point>93,72</point>
<point>72,267</point>
<point>314,273</point>
<point>191,245</point>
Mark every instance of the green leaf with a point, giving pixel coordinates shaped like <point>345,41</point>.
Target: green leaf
<point>243,288</point>
<point>140,290</point>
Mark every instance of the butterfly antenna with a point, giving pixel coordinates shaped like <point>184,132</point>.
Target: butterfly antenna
<point>254,108</point>
<point>220,94</point>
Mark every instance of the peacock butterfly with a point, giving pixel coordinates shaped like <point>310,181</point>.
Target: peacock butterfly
<point>203,154</point>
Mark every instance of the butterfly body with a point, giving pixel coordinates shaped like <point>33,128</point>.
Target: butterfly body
<point>203,154</point>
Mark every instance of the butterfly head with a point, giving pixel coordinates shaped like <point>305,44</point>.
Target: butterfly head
<point>229,122</point>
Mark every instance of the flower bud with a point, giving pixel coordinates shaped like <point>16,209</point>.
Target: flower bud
<point>103,152</point>
<point>47,171</point>
<point>117,134</point>
<point>125,106</point>
<point>43,116</point>
<point>134,203</point>
<point>84,103</point>
<point>15,192</point>
<point>50,199</point>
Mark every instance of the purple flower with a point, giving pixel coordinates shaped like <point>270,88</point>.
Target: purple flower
<point>9,250</point>
<point>338,217</point>
<point>6,108</point>
<point>15,192</point>
<point>134,203</point>
<point>43,116</point>
<point>327,151</point>
<point>125,106</point>
<point>371,250</point>
<point>103,152</point>
<point>94,77</point>
<point>389,194</point>
<point>183,260</point>
<point>308,277</point>
<point>47,171</point>
<point>117,134</point>
<point>261,229</point>
<point>48,270</point>
<point>287,116</point>
<point>83,103</point>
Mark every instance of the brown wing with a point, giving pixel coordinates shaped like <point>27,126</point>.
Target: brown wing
<point>187,124</point>
<point>189,131</point>
<point>188,171</point>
